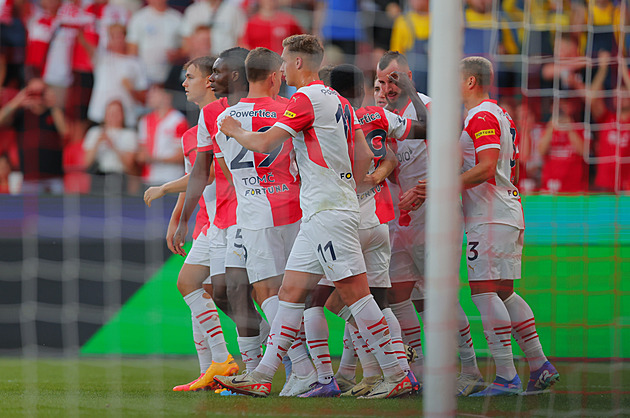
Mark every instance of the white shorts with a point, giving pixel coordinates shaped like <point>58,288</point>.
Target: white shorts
<point>328,243</point>
<point>493,252</point>
<point>199,253</point>
<point>407,262</point>
<point>226,249</point>
<point>268,250</point>
<point>376,253</point>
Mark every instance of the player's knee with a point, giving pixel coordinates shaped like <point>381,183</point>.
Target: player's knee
<point>292,294</point>
<point>380,296</point>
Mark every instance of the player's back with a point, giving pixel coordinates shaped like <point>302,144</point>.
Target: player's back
<point>497,200</point>
<point>322,124</point>
<point>267,185</point>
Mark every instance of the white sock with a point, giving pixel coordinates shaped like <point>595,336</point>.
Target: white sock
<point>251,351</point>
<point>375,332</point>
<point>263,331</point>
<point>467,354</point>
<point>397,342</point>
<point>497,328</point>
<point>369,364</point>
<point>284,330</point>
<point>300,360</point>
<point>270,308</point>
<point>348,363</point>
<point>524,331</point>
<point>205,314</point>
<point>316,329</point>
<point>411,332</point>
<point>204,354</point>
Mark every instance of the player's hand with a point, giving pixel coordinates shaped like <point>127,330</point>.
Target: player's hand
<point>179,239</point>
<point>170,233</point>
<point>152,194</point>
<point>413,198</point>
<point>230,126</point>
<point>402,81</point>
<point>603,57</point>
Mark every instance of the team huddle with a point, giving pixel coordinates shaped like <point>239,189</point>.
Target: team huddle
<point>316,202</point>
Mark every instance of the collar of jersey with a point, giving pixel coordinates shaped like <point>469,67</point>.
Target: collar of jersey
<point>257,99</point>
<point>315,82</point>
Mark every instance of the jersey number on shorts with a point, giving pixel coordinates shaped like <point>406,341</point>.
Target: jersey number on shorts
<point>329,247</point>
<point>344,113</point>
<point>238,163</point>
<point>474,253</point>
<point>376,140</point>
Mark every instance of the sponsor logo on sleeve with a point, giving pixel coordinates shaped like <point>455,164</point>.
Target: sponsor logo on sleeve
<point>289,114</point>
<point>485,132</point>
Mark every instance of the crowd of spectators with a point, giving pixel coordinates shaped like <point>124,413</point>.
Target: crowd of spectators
<point>91,97</point>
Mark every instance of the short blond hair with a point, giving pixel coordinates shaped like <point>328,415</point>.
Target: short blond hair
<point>480,68</point>
<point>308,47</point>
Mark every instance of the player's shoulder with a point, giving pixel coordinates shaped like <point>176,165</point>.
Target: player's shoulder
<point>425,99</point>
<point>282,100</point>
<point>215,108</point>
<point>486,112</point>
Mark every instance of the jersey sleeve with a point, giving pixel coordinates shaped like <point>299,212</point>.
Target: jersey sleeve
<point>485,131</point>
<point>298,115</point>
<point>204,140</point>
<point>398,127</point>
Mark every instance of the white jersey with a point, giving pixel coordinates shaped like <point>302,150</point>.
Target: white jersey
<point>267,185</point>
<point>413,160</point>
<point>497,200</point>
<point>322,124</point>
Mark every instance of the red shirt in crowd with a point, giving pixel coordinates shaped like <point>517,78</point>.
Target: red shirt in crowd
<point>564,170</point>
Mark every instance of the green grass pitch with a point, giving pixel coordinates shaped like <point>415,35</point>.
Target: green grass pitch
<point>142,387</point>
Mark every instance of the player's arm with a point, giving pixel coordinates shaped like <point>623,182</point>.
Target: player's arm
<point>196,183</point>
<point>517,173</point>
<point>484,170</point>
<point>385,168</point>
<point>174,221</point>
<point>418,127</point>
<point>156,192</point>
<point>264,142</point>
<point>363,157</point>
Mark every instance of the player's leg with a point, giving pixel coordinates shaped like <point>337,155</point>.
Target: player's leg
<point>404,274</point>
<point>222,362</point>
<point>542,373</point>
<point>488,248</point>
<point>267,253</point>
<point>207,329</point>
<point>316,329</point>
<point>372,373</point>
<point>302,274</point>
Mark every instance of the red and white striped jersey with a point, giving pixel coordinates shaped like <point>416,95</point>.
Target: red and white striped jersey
<point>413,163</point>
<point>378,124</point>
<point>497,200</point>
<point>322,125</point>
<point>161,137</point>
<point>40,28</point>
<point>225,214</point>
<point>267,185</point>
<point>207,203</point>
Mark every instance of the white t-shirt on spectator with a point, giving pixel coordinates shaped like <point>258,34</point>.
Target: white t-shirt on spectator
<point>125,140</point>
<point>109,70</point>
<point>155,33</point>
<point>227,23</point>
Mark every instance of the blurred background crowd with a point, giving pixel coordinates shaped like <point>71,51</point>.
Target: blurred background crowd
<point>91,97</point>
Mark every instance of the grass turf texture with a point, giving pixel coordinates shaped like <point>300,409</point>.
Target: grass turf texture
<point>143,387</point>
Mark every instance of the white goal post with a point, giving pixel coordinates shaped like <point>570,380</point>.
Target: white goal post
<point>443,211</point>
